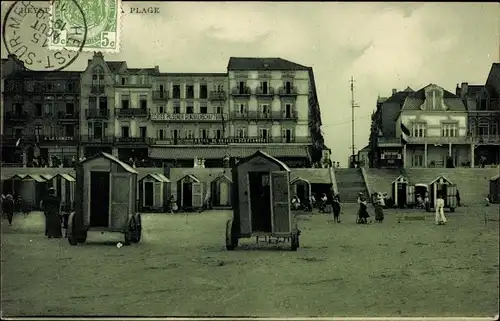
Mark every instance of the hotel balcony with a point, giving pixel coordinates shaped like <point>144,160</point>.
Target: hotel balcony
<point>213,117</point>
<point>288,91</point>
<point>103,140</point>
<point>134,141</point>
<point>271,116</point>
<point>131,112</point>
<point>233,140</point>
<point>217,95</point>
<point>97,89</point>
<point>438,140</point>
<point>486,139</point>
<point>160,96</point>
<point>242,92</point>
<point>68,117</point>
<point>12,116</point>
<point>97,113</point>
<point>269,92</point>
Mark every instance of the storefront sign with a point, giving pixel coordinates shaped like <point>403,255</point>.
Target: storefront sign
<point>191,117</point>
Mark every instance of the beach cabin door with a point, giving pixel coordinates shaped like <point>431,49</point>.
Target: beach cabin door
<point>158,192</point>
<point>197,194</point>
<point>410,195</point>
<point>451,196</point>
<point>120,192</point>
<point>223,193</point>
<point>280,203</point>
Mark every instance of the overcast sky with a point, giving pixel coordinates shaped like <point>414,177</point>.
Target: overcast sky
<point>382,45</point>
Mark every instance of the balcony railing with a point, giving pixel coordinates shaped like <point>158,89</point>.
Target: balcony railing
<point>233,140</point>
<point>131,112</point>
<point>486,139</point>
<point>188,117</point>
<point>96,140</point>
<point>97,89</point>
<point>97,113</point>
<point>61,115</point>
<point>237,91</point>
<point>290,91</point>
<point>217,95</point>
<point>16,116</point>
<point>261,92</point>
<point>255,115</point>
<point>160,95</point>
<point>438,140</point>
<point>134,140</point>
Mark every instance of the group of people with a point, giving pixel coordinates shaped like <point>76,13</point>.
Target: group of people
<point>11,204</point>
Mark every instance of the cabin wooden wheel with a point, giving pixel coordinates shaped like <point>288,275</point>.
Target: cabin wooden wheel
<point>294,240</point>
<point>231,240</point>
<point>72,232</point>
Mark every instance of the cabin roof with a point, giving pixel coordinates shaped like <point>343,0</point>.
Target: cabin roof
<point>404,178</point>
<point>495,178</point>
<point>441,177</point>
<point>222,176</point>
<point>125,166</point>
<point>67,177</point>
<point>157,176</point>
<point>191,176</point>
<point>265,155</point>
<point>298,179</point>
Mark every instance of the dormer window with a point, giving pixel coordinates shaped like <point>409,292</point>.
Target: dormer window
<point>433,100</point>
<point>97,76</point>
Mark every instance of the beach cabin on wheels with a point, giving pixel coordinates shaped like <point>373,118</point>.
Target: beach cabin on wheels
<point>449,190</point>
<point>261,202</point>
<point>154,192</point>
<point>221,190</point>
<point>403,193</point>
<point>64,184</point>
<point>302,188</point>
<point>495,189</point>
<point>31,187</point>
<point>189,193</point>
<point>105,200</point>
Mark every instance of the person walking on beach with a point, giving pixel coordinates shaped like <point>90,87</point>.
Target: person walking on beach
<point>8,208</point>
<point>337,208</point>
<point>363,210</point>
<point>440,219</point>
<point>51,206</point>
<point>379,208</point>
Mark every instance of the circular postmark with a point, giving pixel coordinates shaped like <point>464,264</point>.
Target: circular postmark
<point>30,28</point>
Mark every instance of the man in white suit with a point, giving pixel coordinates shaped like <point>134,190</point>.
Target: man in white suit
<point>440,218</point>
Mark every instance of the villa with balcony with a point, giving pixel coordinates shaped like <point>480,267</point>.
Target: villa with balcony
<point>437,121</point>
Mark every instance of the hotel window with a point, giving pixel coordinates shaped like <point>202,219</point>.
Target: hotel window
<point>264,108</point>
<point>264,133</point>
<point>189,91</point>
<point>493,128</point>
<point>203,134</point>
<point>142,79</point>
<point>287,136</point>
<point>177,109</point>
<point>203,109</point>
<point>70,87</point>
<point>176,91</point>
<point>175,133</point>
<point>143,132</point>
<point>49,130</point>
<point>241,87</point>
<point>189,109</point>
<point>125,131</point>
<point>160,109</point>
<point>189,134</point>
<point>103,103</point>
<point>203,92</point>
<point>18,132</point>
<point>483,104</point>
<point>143,101</point>
<point>39,130</point>
<point>264,87</point>
<point>418,161</point>
<point>218,134</point>
<point>288,87</point>
<point>92,103</point>
<point>218,109</point>
<point>449,130</point>
<point>49,109</point>
<point>38,109</point>
<point>241,132</point>
<point>69,131</point>
<point>160,134</point>
<point>288,111</point>
<point>242,108</point>
<point>418,130</point>
<point>483,128</point>
<point>70,108</point>
<point>124,81</point>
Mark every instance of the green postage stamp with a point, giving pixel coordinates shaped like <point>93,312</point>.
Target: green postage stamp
<point>100,20</point>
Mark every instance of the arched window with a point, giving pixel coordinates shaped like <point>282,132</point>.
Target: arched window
<point>97,76</point>
<point>483,127</point>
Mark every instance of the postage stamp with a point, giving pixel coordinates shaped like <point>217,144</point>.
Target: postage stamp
<point>103,21</point>
<point>28,28</point>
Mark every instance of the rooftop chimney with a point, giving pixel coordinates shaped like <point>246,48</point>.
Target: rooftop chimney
<point>394,91</point>
<point>464,89</point>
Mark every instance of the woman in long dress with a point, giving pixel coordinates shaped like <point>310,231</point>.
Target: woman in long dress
<point>51,206</point>
<point>379,208</point>
<point>363,210</point>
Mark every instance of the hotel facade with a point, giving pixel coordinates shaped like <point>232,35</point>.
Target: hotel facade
<point>171,119</point>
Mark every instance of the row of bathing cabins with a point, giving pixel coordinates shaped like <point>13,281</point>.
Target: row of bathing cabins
<point>156,186</point>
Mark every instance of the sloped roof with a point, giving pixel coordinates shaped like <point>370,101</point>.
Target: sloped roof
<point>247,63</point>
<point>312,175</point>
<point>191,176</point>
<point>445,180</point>
<point>265,155</point>
<point>416,99</point>
<point>110,157</point>
<point>223,176</point>
<point>114,66</point>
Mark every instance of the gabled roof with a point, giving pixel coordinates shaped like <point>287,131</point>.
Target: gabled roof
<point>439,178</point>
<point>223,176</point>
<point>247,63</point>
<point>265,155</point>
<point>157,177</point>
<point>296,179</point>
<point>191,176</point>
<point>114,66</point>
<point>401,178</point>
<point>415,100</point>
<point>126,167</point>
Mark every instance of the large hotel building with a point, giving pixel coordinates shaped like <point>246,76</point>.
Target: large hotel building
<point>165,119</point>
